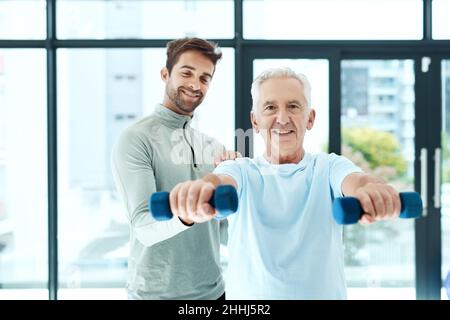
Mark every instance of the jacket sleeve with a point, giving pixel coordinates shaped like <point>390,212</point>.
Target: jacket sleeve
<point>135,181</point>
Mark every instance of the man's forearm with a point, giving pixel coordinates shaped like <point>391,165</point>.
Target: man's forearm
<point>152,233</point>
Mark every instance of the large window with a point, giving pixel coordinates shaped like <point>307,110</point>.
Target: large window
<point>441,19</point>
<point>150,19</point>
<point>23,172</point>
<point>445,188</point>
<point>377,118</point>
<point>331,19</point>
<point>22,19</point>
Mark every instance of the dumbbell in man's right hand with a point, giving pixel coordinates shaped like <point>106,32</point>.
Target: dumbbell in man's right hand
<point>189,201</point>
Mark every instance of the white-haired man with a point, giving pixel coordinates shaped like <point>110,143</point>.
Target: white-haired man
<point>283,242</point>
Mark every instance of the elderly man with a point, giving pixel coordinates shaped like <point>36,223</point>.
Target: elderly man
<point>283,241</point>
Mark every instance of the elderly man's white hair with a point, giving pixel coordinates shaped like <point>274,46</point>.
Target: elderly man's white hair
<point>280,73</point>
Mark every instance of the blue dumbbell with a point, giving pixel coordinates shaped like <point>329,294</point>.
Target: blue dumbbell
<point>224,199</point>
<point>347,210</point>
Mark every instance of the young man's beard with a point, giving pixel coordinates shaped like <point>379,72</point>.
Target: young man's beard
<point>175,97</point>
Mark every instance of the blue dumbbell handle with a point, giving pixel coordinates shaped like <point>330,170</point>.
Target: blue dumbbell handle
<point>347,210</point>
<point>224,199</point>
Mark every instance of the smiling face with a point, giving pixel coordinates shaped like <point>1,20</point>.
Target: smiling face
<point>282,116</point>
<point>188,82</point>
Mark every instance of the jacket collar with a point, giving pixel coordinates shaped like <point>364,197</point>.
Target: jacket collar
<point>170,118</point>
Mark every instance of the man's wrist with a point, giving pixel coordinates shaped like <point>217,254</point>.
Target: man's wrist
<point>212,178</point>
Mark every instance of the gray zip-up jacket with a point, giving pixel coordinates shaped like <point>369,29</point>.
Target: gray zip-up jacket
<point>168,260</point>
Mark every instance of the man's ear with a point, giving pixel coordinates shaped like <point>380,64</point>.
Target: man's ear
<point>311,119</point>
<point>254,122</point>
<point>165,74</point>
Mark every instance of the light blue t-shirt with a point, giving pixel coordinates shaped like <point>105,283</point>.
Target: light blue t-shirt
<point>283,242</point>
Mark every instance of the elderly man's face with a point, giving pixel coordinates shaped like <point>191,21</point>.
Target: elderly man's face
<point>282,116</point>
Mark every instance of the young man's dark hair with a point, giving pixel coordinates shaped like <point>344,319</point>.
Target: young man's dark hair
<point>176,47</point>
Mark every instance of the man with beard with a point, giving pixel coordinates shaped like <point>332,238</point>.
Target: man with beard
<point>174,259</point>
<point>283,242</point>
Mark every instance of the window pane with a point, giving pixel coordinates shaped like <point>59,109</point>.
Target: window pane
<point>441,19</point>
<point>101,92</point>
<point>378,135</point>
<point>149,19</point>
<point>23,171</point>
<point>445,188</point>
<point>316,70</point>
<point>22,19</point>
<point>333,19</point>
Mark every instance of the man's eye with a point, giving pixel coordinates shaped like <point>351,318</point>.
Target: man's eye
<point>185,74</point>
<point>294,106</point>
<point>269,108</point>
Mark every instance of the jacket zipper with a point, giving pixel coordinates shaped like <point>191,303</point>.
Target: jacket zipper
<point>187,141</point>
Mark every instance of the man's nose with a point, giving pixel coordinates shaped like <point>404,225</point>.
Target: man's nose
<point>194,84</point>
<point>282,117</point>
